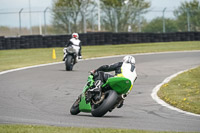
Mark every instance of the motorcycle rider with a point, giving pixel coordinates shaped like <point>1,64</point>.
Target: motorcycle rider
<point>125,68</point>
<point>76,44</point>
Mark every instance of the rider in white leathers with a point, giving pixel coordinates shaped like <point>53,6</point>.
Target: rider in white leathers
<point>76,44</point>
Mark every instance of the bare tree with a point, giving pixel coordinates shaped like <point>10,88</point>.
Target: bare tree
<point>119,14</point>
<point>68,14</point>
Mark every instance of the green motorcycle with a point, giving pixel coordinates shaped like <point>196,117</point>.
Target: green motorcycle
<point>98,103</point>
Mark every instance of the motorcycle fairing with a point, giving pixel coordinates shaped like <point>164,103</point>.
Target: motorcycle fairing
<point>83,106</point>
<point>120,84</point>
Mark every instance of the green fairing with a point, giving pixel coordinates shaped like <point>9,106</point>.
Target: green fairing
<point>83,106</point>
<point>90,81</point>
<point>120,84</point>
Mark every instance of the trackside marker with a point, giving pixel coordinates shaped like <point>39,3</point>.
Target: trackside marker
<point>54,54</point>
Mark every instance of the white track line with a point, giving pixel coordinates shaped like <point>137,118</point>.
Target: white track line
<point>163,103</point>
<point>23,68</point>
<point>155,90</point>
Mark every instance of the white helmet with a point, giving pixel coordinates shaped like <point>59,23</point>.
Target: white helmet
<point>75,35</point>
<point>129,59</point>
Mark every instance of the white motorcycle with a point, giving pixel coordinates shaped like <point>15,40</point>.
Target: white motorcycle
<point>70,57</point>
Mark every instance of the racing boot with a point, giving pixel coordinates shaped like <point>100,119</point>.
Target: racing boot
<point>79,57</point>
<point>120,104</point>
<point>96,88</point>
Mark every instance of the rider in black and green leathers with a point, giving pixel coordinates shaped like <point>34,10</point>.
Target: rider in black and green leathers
<point>126,69</point>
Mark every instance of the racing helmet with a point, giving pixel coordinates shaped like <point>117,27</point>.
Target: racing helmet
<point>75,35</point>
<point>129,59</point>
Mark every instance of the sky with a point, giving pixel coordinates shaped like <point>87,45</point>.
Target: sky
<point>12,20</point>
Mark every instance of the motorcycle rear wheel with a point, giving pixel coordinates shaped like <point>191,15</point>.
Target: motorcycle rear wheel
<point>69,62</point>
<point>108,103</point>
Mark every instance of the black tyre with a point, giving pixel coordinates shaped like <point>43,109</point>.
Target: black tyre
<point>69,62</point>
<point>75,107</point>
<point>108,103</point>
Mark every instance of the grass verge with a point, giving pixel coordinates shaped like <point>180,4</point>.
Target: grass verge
<point>10,59</point>
<point>183,91</point>
<point>52,129</point>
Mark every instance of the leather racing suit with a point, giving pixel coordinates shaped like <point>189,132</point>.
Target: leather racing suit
<point>76,44</point>
<point>121,69</point>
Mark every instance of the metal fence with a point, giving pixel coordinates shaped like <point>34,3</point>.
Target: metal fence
<point>25,22</point>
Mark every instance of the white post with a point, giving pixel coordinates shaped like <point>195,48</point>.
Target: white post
<point>99,16</point>
<point>164,20</point>
<point>139,23</point>
<point>40,24</point>
<point>45,25</point>
<point>20,25</point>
<point>30,17</point>
<point>188,20</point>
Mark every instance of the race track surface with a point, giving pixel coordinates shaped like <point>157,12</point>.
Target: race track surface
<point>44,95</point>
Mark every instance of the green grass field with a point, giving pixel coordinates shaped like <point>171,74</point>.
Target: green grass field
<point>53,129</point>
<point>10,59</point>
<point>184,89</point>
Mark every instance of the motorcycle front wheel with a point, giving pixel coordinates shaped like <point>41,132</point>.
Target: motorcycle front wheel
<point>75,107</point>
<point>108,103</point>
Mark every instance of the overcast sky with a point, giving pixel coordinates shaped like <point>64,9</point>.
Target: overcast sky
<point>16,5</point>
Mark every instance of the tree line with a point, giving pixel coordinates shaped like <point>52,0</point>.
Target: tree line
<point>122,16</point>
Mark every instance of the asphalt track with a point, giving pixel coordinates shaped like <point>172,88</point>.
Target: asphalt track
<point>44,95</point>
